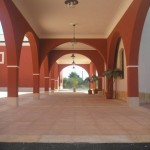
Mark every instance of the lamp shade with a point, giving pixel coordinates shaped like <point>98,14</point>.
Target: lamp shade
<point>71,3</point>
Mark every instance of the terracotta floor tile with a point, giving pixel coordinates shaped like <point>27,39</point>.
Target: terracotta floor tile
<point>75,117</point>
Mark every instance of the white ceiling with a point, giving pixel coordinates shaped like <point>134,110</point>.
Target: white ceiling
<point>77,46</point>
<point>79,59</point>
<point>52,19</point>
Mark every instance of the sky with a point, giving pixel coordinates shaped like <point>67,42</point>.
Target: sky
<point>67,70</point>
<point>1,30</point>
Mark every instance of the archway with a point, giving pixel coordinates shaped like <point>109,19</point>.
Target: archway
<point>35,62</point>
<point>89,51</point>
<point>63,59</point>
<point>14,33</point>
<point>111,63</point>
<point>79,70</point>
<point>117,60</point>
<point>29,64</point>
<point>99,45</point>
<point>91,54</point>
<point>113,50</point>
<point>120,86</point>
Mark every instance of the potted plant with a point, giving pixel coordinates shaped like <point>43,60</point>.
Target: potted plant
<point>74,82</point>
<point>94,78</point>
<point>112,75</point>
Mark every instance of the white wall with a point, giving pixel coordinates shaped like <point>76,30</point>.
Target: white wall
<point>144,63</point>
<point>121,84</point>
<point>144,58</point>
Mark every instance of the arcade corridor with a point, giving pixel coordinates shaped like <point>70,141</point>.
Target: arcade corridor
<point>41,38</point>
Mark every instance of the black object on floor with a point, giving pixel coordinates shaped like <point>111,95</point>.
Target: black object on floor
<point>74,146</point>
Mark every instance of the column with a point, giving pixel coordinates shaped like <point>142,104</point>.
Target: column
<point>36,78</point>
<point>90,75</point>
<point>46,85</point>
<point>52,85</point>
<point>56,84</point>
<point>132,84</point>
<point>13,85</point>
<point>100,86</point>
<point>56,75</point>
<point>109,88</point>
<point>61,80</point>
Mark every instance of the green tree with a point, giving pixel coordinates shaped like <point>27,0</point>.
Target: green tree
<point>73,81</point>
<point>73,75</point>
<point>66,83</point>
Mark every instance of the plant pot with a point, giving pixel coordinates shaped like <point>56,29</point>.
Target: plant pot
<point>74,89</point>
<point>89,91</point>
<point>109,95</point>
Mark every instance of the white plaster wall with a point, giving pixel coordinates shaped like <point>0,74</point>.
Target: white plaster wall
<point>121,84</point>
<point>144,58</point>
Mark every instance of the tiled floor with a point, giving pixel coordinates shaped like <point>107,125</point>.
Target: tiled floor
<point>73,117</point>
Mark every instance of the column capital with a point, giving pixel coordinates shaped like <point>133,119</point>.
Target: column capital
<point>36,85</point>
<point>36,74</point>
<point>12,66</point>
<point>132,66</point>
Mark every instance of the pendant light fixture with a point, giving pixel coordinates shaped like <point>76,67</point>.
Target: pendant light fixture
<point>74,34</point>
<point>71,3</point>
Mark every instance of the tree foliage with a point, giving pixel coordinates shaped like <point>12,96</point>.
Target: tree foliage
<point>91,79</point>
<point>73,75</point>
<point>73,81</point>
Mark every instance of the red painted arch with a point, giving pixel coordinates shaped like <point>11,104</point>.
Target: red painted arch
<point>47,45</point>
<point>34,50</point>
<point>62,66</point>
<point>129,29</point>
<point>8,34</point>
<point>137,32</point>
<point>91,54</point>
<point>112,49</point>
<point>14,27</point>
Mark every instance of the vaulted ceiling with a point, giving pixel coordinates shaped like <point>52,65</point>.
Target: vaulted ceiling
<point>53,19</point>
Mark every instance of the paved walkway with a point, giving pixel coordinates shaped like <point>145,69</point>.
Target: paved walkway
<point>73,117</point>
